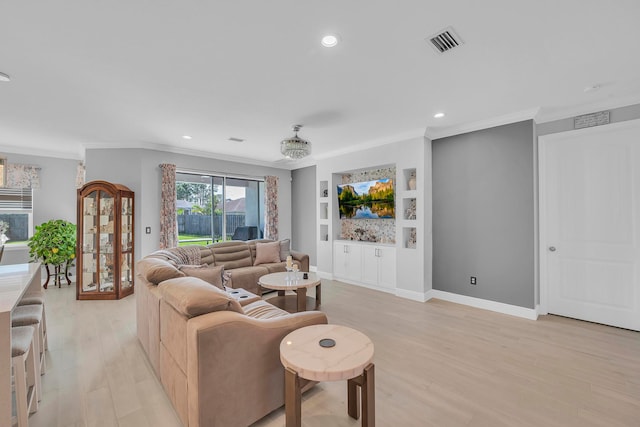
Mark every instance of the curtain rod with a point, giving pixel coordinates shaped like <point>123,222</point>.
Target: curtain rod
<point>225,175</point>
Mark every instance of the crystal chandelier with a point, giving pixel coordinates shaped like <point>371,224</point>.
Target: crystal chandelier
<point>295,147</point>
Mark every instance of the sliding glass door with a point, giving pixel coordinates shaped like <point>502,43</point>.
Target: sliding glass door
<point>212,208</point>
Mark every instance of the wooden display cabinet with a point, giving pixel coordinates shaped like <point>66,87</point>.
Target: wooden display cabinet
<point>105,241</point>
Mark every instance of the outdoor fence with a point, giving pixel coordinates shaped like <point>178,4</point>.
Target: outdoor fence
<point>200,225</point>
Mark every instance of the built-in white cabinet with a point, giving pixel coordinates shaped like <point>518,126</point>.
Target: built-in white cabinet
<point>365,263</point>
<point>347,261</point>
<point>379,266</point>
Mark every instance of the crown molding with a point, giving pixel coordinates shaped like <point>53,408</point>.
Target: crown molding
<point>145,145</point>
<point>443,132</point>
<point>36,151</point>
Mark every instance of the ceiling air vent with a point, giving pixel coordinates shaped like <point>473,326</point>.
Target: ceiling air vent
<point>445,40</point>
<point>234,139</point>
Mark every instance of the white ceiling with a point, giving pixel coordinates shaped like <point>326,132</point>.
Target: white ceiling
<point>143,73</point>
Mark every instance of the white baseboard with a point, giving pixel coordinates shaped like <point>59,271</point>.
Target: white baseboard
<point>323,274</point>
<point>413,295</point>
<point>499,307</point>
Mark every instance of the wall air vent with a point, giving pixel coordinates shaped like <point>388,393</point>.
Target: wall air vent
<point>234,139</point>
<point>445,40</point>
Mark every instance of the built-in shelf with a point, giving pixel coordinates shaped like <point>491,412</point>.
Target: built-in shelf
<point>409,208</point>
<point>324,210</point>
<point>324,189</point>
<point>324,232</point>
<point>409,237</point>
<point>409,181</point>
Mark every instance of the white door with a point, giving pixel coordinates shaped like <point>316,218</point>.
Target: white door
<point>590,224</point>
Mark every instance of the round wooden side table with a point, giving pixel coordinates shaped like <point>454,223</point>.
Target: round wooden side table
<point>329,353</point>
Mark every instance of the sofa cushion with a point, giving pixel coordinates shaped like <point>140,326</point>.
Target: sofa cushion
<point>157,270</point>
<point>263,310</point>
<point>267,252</point>
<point>210,274</point>
<point>231,254</point>
<point>193,297</point>
<point>276,267</point>
<point>247,277</point>
<point>285,249</point>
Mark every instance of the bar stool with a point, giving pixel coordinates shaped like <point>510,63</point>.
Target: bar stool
<point>26,372</point>
<point>37,298</point>
<point>31,315</point>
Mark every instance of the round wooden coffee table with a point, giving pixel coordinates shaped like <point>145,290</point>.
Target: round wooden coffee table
<point>329,353</point>
<point>279,282</point>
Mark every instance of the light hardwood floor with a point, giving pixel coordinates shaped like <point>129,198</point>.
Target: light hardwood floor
<point>437,364</point>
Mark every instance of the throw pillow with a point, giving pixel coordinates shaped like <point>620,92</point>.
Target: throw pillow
<point>192,297</point>
<point>212,275</point>
<point>285,249</point>
<point>157,270</point>
<point>267,252</point>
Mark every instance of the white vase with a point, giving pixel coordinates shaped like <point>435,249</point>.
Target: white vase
<point>3,239</point>
<point>412,183</point>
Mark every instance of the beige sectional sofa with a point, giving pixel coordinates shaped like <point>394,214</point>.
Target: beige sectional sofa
<point>216,351</point>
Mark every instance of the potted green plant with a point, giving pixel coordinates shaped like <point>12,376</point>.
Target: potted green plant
<point>54,243</point>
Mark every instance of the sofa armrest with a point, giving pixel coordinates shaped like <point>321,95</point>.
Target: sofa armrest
<point>233,365</point>
<point>243,296</point>
<point>302,258</point>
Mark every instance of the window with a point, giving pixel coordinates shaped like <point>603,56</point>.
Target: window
<point>16,209</point>
<point>213,208</point>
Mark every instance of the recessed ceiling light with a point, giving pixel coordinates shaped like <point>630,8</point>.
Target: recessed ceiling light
<point>330,40</point>
<point>4,77</point>
<point>438,115</point>
<point>186,137</point>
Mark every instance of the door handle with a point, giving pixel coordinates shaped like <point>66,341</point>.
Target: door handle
<point>552,248</point>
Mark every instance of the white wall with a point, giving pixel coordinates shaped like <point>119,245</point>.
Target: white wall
<point>139,170</point>
<point>55,199</point>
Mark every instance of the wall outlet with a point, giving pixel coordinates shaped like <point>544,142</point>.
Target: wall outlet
<point>148,230</point>
<point>473,280</point>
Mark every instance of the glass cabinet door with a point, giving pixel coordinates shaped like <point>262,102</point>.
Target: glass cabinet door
<point>89,243</point>
<point>106,225</point>
<point>126,257</point>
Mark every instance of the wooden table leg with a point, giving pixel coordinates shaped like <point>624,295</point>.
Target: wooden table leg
<point>46,267</point>
<point>302,299</point>
<point>353,398</point>
<point>292,398</point>
<point>318,295</point>
<point>281,293</point>
<point>259,290</point>
<point>368,397</point>
<point>58,281</point>
<point>365,385</point>
<point>66,274</point>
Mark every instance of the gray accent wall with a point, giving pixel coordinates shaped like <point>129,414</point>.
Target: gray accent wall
<point>303,211</point>
<point>483,214</point>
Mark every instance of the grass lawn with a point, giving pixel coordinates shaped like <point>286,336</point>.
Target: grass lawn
<point>205,240</point>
